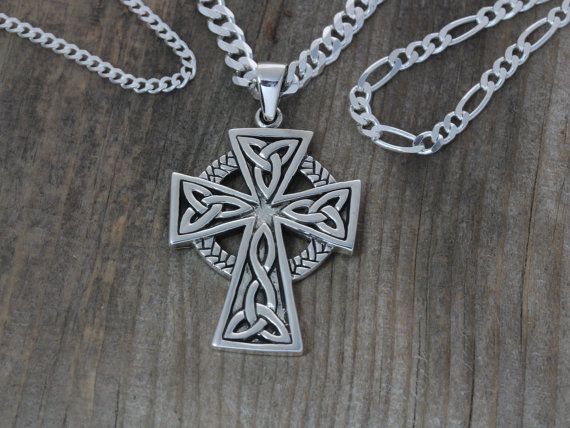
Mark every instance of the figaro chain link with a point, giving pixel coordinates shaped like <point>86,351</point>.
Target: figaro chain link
<point>492,80</point>
<point>103,68</point>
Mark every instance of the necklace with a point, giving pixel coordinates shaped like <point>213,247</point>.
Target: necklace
<point>103,68</point>
<point>231,39</point>
<point>477,98</point>
<point>259,313</point>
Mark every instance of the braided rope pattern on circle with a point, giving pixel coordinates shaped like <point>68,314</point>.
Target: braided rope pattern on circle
<point>302,264</point>
<point>317,251</point>
<point>106,70</point>
<point>491,81</point>
<point>323,51</point>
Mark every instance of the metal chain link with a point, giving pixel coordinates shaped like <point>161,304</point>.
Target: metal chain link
<point>322,52</point>
<point>106,70</point>
<point>492,80</point>
<point>231,39</point>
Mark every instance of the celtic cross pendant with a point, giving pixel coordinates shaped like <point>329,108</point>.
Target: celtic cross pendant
<point>259,313</point>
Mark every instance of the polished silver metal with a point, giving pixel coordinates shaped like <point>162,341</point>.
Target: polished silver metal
<point>231,39</point>
<point>316,252</point>
<point>106,70</point>
<point>259,314</point>
<point>262,123</point>
<point>323,51</point>
<point>269,81</point>
<point>492,80</point>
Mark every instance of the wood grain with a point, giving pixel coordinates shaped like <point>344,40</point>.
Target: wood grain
<point>454,310</point>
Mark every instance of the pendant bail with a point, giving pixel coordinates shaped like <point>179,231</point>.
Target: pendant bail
<point>270,77</point>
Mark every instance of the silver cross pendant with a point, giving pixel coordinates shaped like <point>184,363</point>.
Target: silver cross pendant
<point>259,314</point>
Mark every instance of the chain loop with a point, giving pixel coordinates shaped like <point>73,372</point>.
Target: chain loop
<point>322,51</point>
<point>480,94</point>
<point>231,39</point>
<point>106,70</point>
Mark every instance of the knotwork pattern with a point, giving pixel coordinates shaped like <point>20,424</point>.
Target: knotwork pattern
<point>259,312</point>
<point>206,207</point>
<point>261,301</point>
<point>268,161</point>
<point>322,213</point>
<point>302,264</point>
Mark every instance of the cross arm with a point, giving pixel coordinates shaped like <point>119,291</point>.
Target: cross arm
<point>328,213</point>
<point>200,208</point>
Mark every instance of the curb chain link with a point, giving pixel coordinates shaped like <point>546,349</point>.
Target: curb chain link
<point>322,52</point>
<point>103,68</point>
<point>492,80</point>
<point>231,39</point>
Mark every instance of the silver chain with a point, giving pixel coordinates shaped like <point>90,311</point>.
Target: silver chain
<point>323,51</point>
<point>231,39</point>
<point>492,80</point>
<point>106,70</point>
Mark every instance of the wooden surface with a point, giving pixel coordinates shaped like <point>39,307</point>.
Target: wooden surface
<point>454,310</point>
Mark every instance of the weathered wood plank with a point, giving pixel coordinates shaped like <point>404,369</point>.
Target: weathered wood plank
<point>454,310</point>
